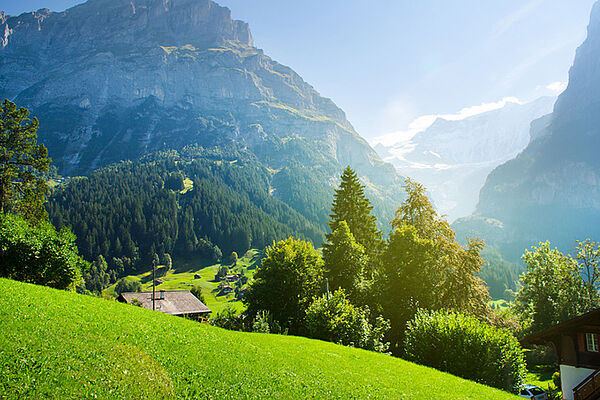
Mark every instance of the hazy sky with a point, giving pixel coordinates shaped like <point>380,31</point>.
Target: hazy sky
<point>389,62</point>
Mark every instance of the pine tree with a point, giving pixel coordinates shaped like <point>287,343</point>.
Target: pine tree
<point>351,205</point>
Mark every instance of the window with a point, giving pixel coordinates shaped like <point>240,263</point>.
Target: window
<point>591,342</point>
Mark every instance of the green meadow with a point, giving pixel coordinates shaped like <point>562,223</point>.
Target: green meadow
<point>182,277</point>
<point>61,345</point>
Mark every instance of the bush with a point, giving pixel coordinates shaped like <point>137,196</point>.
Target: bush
<point>466,347</point>
<point>261,322</point>
<point>128,284</point>
<point>337,320</point>
<point>197,292</point>
<point>39,253</point>
<point>227,318</point>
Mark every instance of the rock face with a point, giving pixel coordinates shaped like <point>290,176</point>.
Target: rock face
<point>551,191</point>
<point>453,158</point>
<point>115,79</point>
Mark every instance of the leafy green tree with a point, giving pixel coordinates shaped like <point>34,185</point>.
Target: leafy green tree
<point>351,205</point>
<point>466,347</point>
<point>552,288</point>
<point>345,262</point>
<point>38,253</point>
<point>128,284</point>
<point>335,319</point>
<point>424,267</point>
<point>588,258</point>
<point>22,160</point>
<point>290,276</point>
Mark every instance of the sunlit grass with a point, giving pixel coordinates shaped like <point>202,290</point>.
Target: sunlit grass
<point>61,345</point>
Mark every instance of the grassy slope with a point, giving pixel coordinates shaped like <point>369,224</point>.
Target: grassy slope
<point>61,345</point>
<point>182,278</point>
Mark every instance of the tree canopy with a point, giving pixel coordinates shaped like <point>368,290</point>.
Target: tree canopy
<point>22,160</point>
<point>553,289</point>
<point>424,266</point>
<point>290,276</point>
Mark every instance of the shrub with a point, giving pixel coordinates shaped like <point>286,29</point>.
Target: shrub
<point>261,322</point>
<point>227,318</point>
<point>337,320</point>
<point>39,253</point>
<point>197,292</point>
<point>464,346</point>
<point>128,284</point>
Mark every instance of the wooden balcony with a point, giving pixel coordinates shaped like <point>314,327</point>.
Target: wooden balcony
<point>589,388</point>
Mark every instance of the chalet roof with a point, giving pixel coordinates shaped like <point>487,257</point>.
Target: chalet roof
<point>175,302</point>
<point>591,318</point>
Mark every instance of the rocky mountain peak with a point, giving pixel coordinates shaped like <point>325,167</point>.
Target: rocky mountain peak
<point>104,25</point>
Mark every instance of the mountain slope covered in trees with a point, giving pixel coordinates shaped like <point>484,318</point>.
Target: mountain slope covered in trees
<point>196,203</point>
<point>112,80</point>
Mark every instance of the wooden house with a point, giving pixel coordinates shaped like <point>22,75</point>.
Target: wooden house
<point>175,302</point>
<point>576,344</point>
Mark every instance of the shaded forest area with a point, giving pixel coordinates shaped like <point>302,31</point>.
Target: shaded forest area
<point>198,203</point>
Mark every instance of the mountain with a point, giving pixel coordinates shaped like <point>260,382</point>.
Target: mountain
<point>551,191</point>
<point>112,80</point>
<point>453,158</point>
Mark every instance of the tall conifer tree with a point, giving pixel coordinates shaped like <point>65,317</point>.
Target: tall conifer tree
<point>351,205</point>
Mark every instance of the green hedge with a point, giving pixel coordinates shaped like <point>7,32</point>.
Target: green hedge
<point>466,347</point>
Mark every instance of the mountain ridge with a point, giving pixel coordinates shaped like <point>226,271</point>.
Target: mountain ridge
<point>158,83</point>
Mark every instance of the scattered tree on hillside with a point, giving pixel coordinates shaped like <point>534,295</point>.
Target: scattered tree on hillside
<point>424,266</point>
<point>290,276</point>
<point>128,284</point>
<point>552,289</point>
<point>22,160</point>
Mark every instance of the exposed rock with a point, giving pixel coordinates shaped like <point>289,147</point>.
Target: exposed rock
<point>115,79</point>
<point>551,191</point>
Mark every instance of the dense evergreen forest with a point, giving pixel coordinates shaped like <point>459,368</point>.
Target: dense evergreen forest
<point>197,203</point>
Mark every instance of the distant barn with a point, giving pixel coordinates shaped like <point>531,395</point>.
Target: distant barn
<point>175,302</point>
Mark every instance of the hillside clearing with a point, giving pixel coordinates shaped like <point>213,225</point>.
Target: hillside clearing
<point>56,344</point>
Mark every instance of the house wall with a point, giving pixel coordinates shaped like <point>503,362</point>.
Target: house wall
<point>571,377</point>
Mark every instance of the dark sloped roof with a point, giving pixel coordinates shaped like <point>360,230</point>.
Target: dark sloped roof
<point>589,318</point>
<point>176,302</point>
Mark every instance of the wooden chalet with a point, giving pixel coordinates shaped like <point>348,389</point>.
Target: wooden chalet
<point>175,302</point>
<point>576,343</point>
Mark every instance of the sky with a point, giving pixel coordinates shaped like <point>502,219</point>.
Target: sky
<point>395,65</point>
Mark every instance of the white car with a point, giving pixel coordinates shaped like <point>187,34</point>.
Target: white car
<point>532,392</point>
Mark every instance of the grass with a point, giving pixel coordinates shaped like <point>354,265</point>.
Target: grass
<point>181,277</point>
<point>61,345</point>
<point>541,376</point>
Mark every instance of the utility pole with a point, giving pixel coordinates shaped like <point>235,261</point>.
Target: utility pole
<point>327,281</point>
<point>153,284</point>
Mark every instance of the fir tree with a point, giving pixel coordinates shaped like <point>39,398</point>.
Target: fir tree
<point>351,205</point>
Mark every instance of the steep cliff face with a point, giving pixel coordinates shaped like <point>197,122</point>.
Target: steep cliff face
<point>453,158</point>
<point>552,189</point>
<point>116,79</point>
